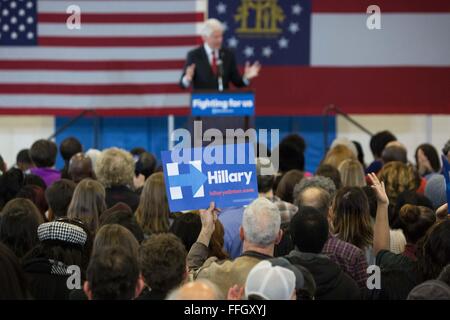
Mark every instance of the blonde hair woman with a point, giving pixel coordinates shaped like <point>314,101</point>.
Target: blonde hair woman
<point>352,173</point>
<point>398,177</point>
<point>88,203</point>
<point>153,211</point>
<point>337,155</point>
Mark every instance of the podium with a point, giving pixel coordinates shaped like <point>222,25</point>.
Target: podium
<point>221,110</point>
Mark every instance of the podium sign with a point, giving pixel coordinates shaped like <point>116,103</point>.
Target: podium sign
<point>223,104</point>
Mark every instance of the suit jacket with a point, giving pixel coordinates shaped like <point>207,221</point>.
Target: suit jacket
<point>204,78</point>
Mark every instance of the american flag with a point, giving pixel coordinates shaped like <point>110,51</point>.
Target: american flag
<point>126,57</point>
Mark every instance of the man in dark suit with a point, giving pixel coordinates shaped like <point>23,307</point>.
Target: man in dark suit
<point>212,67</point>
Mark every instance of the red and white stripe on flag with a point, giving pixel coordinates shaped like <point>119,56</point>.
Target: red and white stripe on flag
<point>127,56</point>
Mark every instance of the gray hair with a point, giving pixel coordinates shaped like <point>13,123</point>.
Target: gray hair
<point>115,167</point>
<point>261,222</point>
<point>210,26</point>
<point>315,182</point>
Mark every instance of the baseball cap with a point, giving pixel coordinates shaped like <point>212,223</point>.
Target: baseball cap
<point>270,282</point>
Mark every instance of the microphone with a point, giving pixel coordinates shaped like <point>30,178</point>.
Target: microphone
<point>220,70</point>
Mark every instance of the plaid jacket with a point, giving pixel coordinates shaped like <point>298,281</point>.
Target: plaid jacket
<point>349,257</point>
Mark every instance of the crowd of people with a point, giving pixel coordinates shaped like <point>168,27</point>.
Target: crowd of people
<point>101,228</point>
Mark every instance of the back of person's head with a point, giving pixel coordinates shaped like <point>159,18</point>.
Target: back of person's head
<point>316,182</point>
<point>114,235</point>
<point>328,171</point>
<point>398,177</point>
<point>268,282</point>
<point>315,197</point>
<point>113,274</point>
<point>351,217</point>
<point>162,261</point>
<point>19,221</point>
<point>145,165</point>
<point>415,221</point>
<point>291,153</point>
<point>80,167</point>
<point>11,182</point>
<point>70,146</point>
<point>336,155</point>
<point>379,141</point>
<point>309,230</point>
<point>88,203</point>
<point>153,211</point>
<point>36,195</point>
<point>58,196</point>
<point>431,154</point>
<point>23,160</point>
<point>200,289</point>
<point>32,179</point>
<point>261,223</point>
<point>435,190</point>
<point>62,241</point>
<point>297,140</point>
<point>115,167</point>
<point>394,153</point>
<point>13,282</point>
<point>187,227</point>
<point>344,142</point>
<point>137,151</point>
<point>121,214</point>
<point>352,173</point>
<point>407,197</point>
<point>433,252</point>
<point>265,175</point>
<point>285,188</point>
<point>43,153</point>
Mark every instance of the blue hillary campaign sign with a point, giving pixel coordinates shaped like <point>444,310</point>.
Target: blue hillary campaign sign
<point>446,172</point>
<point>193,184</point>
<point>224,104</point>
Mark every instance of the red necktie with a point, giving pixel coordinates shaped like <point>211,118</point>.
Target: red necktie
<point>214,63</point>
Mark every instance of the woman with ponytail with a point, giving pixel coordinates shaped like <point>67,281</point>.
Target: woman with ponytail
<point>399,273</point>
